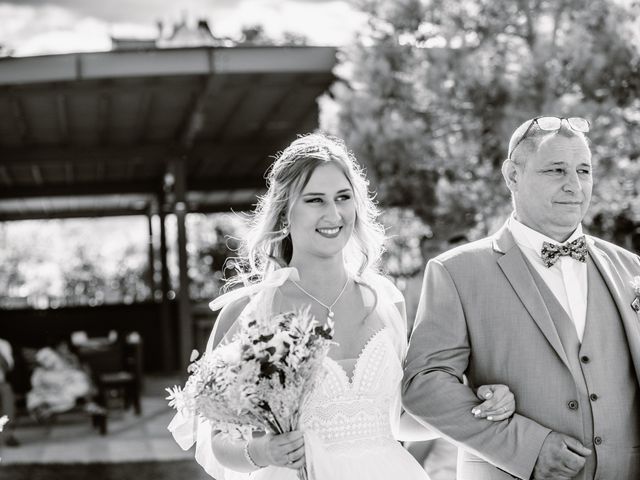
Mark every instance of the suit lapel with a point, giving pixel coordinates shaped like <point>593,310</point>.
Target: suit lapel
<point>622,296</point>
<point>517,272</point>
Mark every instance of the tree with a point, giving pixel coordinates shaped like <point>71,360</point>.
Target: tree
<point>256,35</point>
<point>431,91</point>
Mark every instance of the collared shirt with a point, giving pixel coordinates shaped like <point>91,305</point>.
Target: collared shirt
<point>567,278</point>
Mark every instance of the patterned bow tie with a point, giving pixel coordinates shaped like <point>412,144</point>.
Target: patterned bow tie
<point>551,252</point>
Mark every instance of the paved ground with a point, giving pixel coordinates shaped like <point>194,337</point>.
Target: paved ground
<point>71,438</point>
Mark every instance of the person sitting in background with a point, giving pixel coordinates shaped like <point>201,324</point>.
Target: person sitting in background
<point>7,398</point>
<point>58,382</point>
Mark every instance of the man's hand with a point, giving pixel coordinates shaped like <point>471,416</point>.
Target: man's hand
<point>561,457</point>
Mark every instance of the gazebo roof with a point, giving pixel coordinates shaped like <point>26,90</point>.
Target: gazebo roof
<point>92,133</point>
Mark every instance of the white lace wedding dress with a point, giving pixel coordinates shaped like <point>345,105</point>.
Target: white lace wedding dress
<point>349,424</point>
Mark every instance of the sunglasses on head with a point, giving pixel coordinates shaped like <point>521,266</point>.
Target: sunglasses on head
<point>553,124</point>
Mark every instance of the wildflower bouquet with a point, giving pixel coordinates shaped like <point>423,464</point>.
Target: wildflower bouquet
<point>260,379</point>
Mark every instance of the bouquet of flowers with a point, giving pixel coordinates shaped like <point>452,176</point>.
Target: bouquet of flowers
<point>260,379</point>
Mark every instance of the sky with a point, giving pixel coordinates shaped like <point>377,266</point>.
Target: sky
<point>39,27</point>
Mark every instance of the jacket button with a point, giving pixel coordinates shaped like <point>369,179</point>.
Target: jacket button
<point>584,359</point>
<point>597,440</point>
<point>593,397</point>
<point>573,405</point>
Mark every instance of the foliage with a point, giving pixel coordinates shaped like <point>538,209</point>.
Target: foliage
<point>212,239</point>
<point>256,35</point>
<point>431,91</point>
<point>96,261</point>
<point>407,235</point>
<point>73,262</point>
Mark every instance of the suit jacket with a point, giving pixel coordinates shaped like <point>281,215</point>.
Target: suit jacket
<point>481,316</point>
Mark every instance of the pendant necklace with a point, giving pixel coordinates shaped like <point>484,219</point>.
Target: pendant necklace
<point>328,307</point>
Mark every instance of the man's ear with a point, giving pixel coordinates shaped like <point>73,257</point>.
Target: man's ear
<point>510,174</point>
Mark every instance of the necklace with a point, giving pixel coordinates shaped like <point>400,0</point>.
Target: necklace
<point>328,307</point>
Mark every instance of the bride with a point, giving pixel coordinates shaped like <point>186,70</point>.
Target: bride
<point>315,241</point>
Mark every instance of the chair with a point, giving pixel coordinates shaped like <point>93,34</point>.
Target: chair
<point>116,369</point>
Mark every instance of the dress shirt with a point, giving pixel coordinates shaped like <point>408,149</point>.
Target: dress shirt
<point>567,278</point>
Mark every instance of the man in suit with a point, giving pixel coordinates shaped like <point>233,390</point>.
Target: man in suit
<point>547,311</point>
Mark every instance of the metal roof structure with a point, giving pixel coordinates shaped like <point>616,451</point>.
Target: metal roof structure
<point>93,134</point>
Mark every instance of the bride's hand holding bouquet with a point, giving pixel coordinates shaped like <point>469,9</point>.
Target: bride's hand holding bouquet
<point>258,382</point>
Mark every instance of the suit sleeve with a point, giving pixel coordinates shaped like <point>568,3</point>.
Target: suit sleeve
<point>433,389</point>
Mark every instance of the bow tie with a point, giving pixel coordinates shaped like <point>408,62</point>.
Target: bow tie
<point>551,252</point>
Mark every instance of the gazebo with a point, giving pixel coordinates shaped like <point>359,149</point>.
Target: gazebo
<point>147,132</point>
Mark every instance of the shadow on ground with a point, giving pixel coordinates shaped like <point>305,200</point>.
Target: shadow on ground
<point>176,470</point>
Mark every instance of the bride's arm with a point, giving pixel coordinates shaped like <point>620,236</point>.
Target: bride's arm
<point>411,430</point>
<point>286,450</point>
<point>233,453</point>
<point>230,452</point>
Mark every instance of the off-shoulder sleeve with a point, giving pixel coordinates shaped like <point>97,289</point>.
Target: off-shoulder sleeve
<point>189,430</point>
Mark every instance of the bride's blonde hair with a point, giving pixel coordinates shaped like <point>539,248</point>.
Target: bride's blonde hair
<point>267,246</point>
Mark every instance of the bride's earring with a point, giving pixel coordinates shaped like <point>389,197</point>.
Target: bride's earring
<point>285,230</point>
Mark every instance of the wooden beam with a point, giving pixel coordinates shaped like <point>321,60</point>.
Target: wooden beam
<point>148,154</point>
<point>36,174</point>
<point>226,183</point>
<point>164,62</point>
<point>223,207</point>
<point>151,259</point>
<point>276,108</point>
<point>4,175</point>
<point>131,169</point>
<point>185,321</point>
<point>63,117</point>
<point>168,342</point>
<point>68,172</point>
<point>143,114</point>
<point>19,119</point>
<point>195,118</point>
<point>226,153</point>
<point>104,112</point>
<point>311,112</point>
<point>234,108</point>
<point>107,188</point>
<point>101,171</point>
<point>66,190</point>
<point>46,213</point>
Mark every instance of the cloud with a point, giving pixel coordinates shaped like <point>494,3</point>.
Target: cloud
<point>33,27</point>
<point>31,30</point>
<point>323,22</point>
<point>128,11</point>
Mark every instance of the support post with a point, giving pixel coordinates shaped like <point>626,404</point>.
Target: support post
<point>177,168</point>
